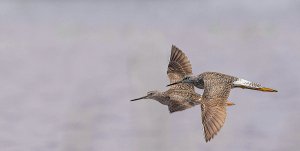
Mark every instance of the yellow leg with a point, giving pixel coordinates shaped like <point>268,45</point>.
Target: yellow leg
<point>228,103</point>
<point>267,89</point>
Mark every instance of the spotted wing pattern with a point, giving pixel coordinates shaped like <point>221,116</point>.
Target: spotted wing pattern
<point>180,103</point>
<point>179,66</point>
<point>216,92</point>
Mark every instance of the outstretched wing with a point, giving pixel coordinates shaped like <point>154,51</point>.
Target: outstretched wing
<point>179,66</point>
<point>216,92</point>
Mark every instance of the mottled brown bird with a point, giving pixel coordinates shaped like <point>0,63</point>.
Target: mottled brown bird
<point>217,87</point>
<point>181,96</point>
<point>178,97</point>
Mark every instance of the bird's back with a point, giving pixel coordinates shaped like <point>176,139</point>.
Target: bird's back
<point>213,76</point>
<point>216,75</point>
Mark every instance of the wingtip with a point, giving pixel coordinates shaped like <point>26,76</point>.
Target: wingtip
<point>170,112</point>
<point>174,46</point>
<point>207,140</point>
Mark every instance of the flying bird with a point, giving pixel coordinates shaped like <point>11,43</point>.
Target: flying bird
<point>180,96</point>
<point>216,87</point>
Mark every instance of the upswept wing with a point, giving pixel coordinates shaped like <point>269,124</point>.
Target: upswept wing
<point>216,92</point>
<point>179,66</point>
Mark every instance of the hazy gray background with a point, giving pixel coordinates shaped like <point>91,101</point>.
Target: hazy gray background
<point>69,69</point>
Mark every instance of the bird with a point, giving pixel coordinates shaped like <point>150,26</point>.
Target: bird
<point>180,96</point>
<point>217,87</point>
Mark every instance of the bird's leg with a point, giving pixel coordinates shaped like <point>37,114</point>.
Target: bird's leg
<point>228,103</point>
<point>266,89</point>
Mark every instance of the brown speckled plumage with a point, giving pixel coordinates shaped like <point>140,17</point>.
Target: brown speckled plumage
<point>213,102</point>
<point>178,97</point>
<point>216,87</point>
<point>216,91</point>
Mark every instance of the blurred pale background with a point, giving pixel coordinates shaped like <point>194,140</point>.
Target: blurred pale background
<point>69,69</point>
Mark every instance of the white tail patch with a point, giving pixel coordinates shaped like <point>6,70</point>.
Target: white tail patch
<point>244,83</point>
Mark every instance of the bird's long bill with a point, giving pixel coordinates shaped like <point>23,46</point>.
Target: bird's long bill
<point>139,98</point>
<point>174,83</point>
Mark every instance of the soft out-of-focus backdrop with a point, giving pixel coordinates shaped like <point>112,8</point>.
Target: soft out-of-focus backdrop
<point>69,69</point>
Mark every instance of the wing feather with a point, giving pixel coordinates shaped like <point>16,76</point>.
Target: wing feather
<point>179,66</point>
<point>213,118</point>
<point>216,92</point>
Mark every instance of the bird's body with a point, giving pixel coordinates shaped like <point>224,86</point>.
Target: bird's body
<point>178,100</point>
<point>213,102</point>
<point>218,78</point>
<point>217,87</point>
<point>178,97</point>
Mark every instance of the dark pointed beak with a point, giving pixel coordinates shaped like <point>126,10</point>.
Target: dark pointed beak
<point>174,83</point>
<point>144,97</point>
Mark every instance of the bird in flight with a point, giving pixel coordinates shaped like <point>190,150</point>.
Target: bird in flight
<point>216,87</point>
<point>182,95</point>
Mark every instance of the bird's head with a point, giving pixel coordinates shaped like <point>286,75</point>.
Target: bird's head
<point>186,79</point>
<point>150,95</point>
